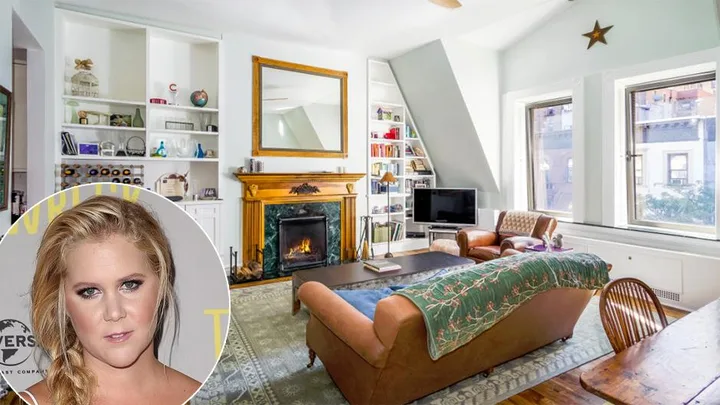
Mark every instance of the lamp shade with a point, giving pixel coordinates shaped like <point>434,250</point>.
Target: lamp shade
<point>388,178</point>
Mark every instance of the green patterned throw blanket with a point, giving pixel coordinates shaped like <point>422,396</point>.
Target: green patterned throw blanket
<point>462,305</point>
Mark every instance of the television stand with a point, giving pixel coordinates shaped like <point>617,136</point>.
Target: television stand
<point>434,230</point>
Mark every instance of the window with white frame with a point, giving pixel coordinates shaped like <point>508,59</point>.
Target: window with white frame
<point>549,137</point>
<point>639,178</point>
<point>672,183</point>
<point>677,174</point>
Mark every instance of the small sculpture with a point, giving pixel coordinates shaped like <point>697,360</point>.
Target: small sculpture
<point>173,94</point>
<point>546,242</point>
<point>84,83</point>
<point>557,241</point>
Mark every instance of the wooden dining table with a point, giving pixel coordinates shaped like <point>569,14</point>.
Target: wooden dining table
<point>678,365</point>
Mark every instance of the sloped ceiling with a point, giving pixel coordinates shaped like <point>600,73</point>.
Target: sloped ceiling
<point>432,93</point>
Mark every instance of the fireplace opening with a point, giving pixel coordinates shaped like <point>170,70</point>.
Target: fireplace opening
<point>303,242</point>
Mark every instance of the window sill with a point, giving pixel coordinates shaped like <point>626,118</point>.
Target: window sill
<point>685,242</point>
<point>669,232</point>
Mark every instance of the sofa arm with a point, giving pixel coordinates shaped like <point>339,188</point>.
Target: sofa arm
<point>509,252</point>
<point>346,322</point>
<point>469,238</point>
<point>519,243</point>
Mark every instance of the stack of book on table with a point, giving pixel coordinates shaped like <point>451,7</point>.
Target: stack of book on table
<point>381,266</point>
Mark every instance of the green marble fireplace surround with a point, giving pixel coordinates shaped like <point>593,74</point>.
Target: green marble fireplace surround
<point>273,213</point>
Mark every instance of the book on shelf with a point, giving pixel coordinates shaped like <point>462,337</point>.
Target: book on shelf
<point>381,188</point>
<point>378,150</point>
<point>392,230</point>
<point>381,265</point>
<point>379,168</point>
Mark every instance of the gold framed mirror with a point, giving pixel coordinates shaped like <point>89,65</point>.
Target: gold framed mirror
<point>298,110</point>
<point>5,135</point>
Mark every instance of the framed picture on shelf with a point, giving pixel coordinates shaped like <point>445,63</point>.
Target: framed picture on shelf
<point>89,148</point>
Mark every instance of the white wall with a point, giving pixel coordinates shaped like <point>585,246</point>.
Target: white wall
<point>236,65</point>
<point>648,36</point>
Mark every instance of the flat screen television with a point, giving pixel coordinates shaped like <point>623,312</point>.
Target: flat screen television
<point>445,206</point>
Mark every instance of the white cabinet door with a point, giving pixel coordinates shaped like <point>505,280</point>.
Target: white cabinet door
<point>208,216</point>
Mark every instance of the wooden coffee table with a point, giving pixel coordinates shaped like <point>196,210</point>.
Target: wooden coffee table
<point>354,273</point>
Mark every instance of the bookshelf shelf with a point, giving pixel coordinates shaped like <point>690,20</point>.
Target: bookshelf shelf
<point>398,154</point>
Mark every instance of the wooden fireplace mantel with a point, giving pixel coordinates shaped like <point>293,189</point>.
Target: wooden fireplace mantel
<point>260,189</point>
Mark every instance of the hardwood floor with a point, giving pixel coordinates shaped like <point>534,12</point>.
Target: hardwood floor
<point>564,389</point>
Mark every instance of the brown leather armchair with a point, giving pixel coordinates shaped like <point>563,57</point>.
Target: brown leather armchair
<point>482,245</point>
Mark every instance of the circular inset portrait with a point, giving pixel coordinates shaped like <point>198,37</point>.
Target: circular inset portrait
<point>110,294</point>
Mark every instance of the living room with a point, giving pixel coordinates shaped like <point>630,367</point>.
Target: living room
<point>470,83</point>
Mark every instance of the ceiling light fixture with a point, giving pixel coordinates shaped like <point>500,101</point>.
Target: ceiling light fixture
<point>447,3</point>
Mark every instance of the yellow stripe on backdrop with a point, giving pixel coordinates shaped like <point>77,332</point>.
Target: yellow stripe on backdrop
<point>57,204</point>
<point>217,331</point>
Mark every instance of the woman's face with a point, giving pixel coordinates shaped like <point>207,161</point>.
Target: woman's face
<point>111,293</point>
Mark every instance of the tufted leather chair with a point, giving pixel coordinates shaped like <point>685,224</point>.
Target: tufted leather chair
<point>482,245</point>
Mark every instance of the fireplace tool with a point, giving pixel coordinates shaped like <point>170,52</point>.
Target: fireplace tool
<point>365,238</point>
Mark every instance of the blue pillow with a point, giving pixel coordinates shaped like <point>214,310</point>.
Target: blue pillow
<point>365,301</point>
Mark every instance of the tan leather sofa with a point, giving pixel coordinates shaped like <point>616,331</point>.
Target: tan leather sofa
<point>481,245</point>
<point>386,361</point>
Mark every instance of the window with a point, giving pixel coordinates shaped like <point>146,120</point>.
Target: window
<point>677,169</point>
<point>549,133</point>
<point>673,123</point>
<point>639,179</point>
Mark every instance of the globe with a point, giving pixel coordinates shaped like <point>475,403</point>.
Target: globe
<point>16,342</point>
<point>199,98</point>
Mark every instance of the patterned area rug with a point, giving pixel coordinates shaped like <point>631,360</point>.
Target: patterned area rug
<point>265,358</point>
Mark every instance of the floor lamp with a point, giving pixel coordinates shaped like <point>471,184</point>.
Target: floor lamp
<point>388,178</point>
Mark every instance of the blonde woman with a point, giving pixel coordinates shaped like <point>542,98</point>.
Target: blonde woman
<point>103,285</point>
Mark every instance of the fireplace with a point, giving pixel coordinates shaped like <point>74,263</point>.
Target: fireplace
<point>303,242</point>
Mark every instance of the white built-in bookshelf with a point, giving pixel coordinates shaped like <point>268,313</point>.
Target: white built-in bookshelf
<point>394,144</point>
<point>134,63</point>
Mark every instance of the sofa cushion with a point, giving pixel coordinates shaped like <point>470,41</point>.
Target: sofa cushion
<point>484,253</point>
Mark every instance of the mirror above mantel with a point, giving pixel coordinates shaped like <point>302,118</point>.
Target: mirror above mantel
<point>298,110</point>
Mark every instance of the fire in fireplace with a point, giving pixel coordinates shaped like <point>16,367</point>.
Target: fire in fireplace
<point>303,242</point>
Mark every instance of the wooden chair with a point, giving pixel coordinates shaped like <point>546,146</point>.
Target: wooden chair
<point>630,311</point>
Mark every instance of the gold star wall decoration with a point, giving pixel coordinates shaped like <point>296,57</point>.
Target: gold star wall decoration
<point>597,34</point>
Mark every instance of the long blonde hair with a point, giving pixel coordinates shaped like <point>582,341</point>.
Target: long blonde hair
<point>94,219</point>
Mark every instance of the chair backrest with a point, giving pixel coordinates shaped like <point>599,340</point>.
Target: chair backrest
<point>544,224</point>
<point>630,311</point>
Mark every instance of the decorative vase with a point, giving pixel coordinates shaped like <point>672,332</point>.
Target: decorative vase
<point>161,151</point>
<point>137,121</point>
<point>199,152</point>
